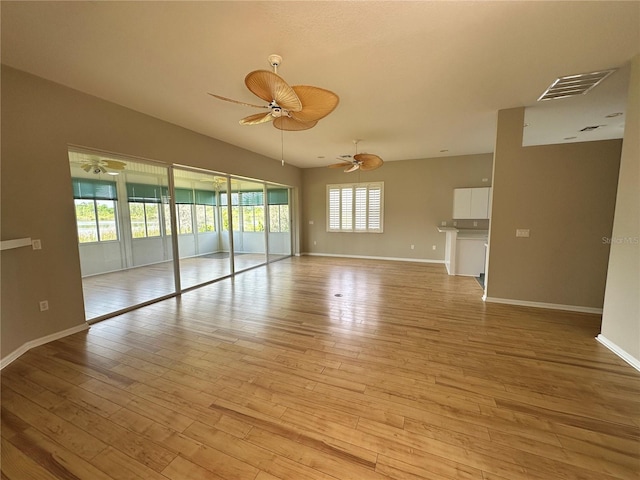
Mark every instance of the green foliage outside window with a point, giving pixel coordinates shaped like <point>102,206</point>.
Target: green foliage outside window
<point>96,220</point>
<point>205,218</point>
<point>253,218</point>
<point>278,218</point>
<point>145,219</point>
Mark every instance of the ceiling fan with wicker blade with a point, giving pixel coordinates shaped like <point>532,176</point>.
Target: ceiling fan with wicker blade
<point>102,165</point>
<point>362,161</point>
<point>292,108</point>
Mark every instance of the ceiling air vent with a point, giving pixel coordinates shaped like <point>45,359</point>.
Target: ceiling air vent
<point>572,85</point>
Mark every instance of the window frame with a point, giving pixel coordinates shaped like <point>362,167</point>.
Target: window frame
<point>345,210</point>
<point>145,213</point>
<point>205,206</point>
<point>94,191</point>
<point>278,211</point>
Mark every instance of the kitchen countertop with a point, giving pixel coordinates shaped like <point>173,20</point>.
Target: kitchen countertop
<point>473,234</point>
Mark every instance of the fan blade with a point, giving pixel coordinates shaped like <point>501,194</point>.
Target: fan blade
<point>256,119</point>
<point>239,103</point>
<point>271,87</point>
<point>286,123</point>
<point>86,167</point>
<point>353,168</point>
<point>317,103</point>
<point>114,164</point>
<point>368,161</point>
<point>340,165</point>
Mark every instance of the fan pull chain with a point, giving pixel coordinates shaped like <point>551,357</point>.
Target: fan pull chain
<point>282,146</point>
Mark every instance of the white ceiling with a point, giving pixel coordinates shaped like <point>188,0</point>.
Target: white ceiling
<point>414,78</point>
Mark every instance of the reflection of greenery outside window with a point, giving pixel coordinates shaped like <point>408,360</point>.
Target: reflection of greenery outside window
<point>167,217</point>
<point>198,204</point>
<point>144,209</point>
<point>355,207</point>
<point>278,199</point>
<point>205,212</point>
<point>184,213</point>
<point>235,211</point>
<point>95,205</point>
<point>247,210</point>
<point>252,211</point>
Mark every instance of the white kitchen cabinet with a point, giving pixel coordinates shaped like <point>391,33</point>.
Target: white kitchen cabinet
<point>471,203</point>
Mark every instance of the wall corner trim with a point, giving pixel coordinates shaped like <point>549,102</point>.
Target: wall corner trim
<point>40,341</point>
<point>634,362</point>
<point>551,306</point>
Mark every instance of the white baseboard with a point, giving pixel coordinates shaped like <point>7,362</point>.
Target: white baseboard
<point>634,362</point>
<point>367,257</point>
<point>40,341</point>
<point>552,306</point>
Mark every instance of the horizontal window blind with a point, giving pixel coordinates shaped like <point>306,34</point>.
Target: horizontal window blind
<point>84,188</point>
<point>205,197</point>
<point>224,199</point>
<point>146,193</point>
<point>278,196</point>
<point>252,198</point>
<point>184,195</point>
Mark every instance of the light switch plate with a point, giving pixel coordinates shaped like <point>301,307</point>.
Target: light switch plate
<point>522,232</point>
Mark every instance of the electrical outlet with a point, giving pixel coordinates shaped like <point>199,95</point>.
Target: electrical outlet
<point>36,244</point>
<point>433,247</point>
<point>315,243</point>
<point>475,224</point>
<point>455,224</point>
<point>413,247</point>
<point>310,222</point>
<point>522,232</point>
<point>44,305</point>
<point>443,224</point>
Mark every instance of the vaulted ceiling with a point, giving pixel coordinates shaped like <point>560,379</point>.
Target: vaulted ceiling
<point>416,79</point>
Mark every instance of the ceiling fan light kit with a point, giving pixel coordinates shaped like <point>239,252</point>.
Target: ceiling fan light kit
<point>101,165</point>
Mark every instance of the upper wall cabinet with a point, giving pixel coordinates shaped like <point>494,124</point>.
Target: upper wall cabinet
<point>471,203</point>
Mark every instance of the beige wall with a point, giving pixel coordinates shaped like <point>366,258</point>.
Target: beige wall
<point>39,120</point>
<point>565,195</point>
<point>418,195</point>
<point>621,316</point>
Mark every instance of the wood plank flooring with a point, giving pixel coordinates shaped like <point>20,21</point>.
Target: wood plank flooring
<point>323,369</point>
<point>111,292</point>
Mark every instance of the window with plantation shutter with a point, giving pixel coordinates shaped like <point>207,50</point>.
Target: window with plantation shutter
<point>355,207</point>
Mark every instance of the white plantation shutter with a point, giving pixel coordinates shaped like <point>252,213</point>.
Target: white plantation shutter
<point>334,209</point>
<point>355,207</point>
<point>346,222</point>
<point>361,208</point>
<point>374,208</point>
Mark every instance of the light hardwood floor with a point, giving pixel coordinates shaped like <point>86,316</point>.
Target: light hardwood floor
<point>115,291</point>
<point>271,375</point>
